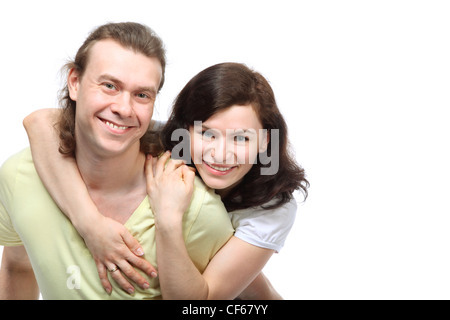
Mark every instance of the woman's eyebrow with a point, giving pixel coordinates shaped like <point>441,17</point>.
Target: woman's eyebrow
<point>249,131</point>
<point>203,127</point>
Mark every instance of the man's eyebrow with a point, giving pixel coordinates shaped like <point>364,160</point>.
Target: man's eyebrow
<point>111,78</point>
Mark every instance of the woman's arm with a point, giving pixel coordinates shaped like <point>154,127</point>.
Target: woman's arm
<point>260,289</point>
<point>231,270</point>
<point>49,163</point>
<point>112,248</point>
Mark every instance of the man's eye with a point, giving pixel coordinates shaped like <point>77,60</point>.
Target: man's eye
<point>109,86</point>
<point>142,96</point>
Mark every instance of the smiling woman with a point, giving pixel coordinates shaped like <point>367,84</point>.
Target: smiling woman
<point>231,96</point>
<point>222,148</point>
<point>225,107</point>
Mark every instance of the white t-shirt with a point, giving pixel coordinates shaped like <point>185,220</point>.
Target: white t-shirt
<point>266,228</point>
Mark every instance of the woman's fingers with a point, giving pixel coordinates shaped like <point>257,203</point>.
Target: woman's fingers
<point>173,165</point>
<point>149,167</point>
<point>188,175</point>
<point>132,244</point>
<point>143,265</point>
<point>116,273</point>
<point>122,267</point>
<point>121,273</point>
<point>101,269</point>
<point>164,165</point>
<point>160,165</point>
<point>138,262</point>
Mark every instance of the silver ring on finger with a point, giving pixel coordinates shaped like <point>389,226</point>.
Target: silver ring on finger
<point>113,269</point>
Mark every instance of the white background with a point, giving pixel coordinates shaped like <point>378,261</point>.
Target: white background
<point>364,86</point>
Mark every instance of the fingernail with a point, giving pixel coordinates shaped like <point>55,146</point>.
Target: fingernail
<point>130,290</point>
<point>146,285</point>
<point>140,252</point>
<point>153,274</point>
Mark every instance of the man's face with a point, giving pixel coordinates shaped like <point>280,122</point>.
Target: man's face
<point>115,98</point>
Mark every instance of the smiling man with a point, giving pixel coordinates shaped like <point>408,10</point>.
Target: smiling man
<point>107,109</point>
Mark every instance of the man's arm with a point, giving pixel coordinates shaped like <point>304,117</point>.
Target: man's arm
<point>17,280</point>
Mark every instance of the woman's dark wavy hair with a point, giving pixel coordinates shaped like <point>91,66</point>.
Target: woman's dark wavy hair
<point>224,85</point>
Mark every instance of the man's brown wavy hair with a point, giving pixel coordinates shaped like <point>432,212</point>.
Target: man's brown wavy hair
<point>224,85</point>
<point>130,35</point>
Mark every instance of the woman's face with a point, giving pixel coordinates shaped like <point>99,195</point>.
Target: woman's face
<point>225,146</point>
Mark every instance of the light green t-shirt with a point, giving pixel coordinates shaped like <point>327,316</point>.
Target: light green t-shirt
<point>63,266</point>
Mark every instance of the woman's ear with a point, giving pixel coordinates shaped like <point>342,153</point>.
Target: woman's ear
<point>264,140</point>
<point>73,83</point>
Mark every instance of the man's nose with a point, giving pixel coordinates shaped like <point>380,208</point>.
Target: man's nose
<point>123,105</point>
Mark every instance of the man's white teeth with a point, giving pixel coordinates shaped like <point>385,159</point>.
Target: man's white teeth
<point>112,125</point>
<point>220,168</point>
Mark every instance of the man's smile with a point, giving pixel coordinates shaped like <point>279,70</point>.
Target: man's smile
<point>115,126</point>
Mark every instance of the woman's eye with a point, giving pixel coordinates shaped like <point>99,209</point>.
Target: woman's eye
<point>208,135</point>
<point>240,139</point>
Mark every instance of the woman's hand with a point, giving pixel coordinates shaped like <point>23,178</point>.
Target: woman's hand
<point>109,242</point>
<point>170,184</point>
<point>114,248</point>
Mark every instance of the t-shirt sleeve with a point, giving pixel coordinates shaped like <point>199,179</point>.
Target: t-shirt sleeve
<point>8,172</point>
<point>209,226</point>
<point>265,228</point>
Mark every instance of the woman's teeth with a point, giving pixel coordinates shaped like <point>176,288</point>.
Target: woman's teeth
<point>220,168</point>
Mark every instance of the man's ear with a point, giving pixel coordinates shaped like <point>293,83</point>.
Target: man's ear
<point>73,83</point>
<point>265,138</point>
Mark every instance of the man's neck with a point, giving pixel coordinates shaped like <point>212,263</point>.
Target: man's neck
<point>110,172</point>
<point>116,184</point>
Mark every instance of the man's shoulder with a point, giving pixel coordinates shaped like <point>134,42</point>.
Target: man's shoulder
<point>208,208</point>
<point>9,168</point>
<point>205,196</point>
<point>9,193</point>
<point>207,226</point>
